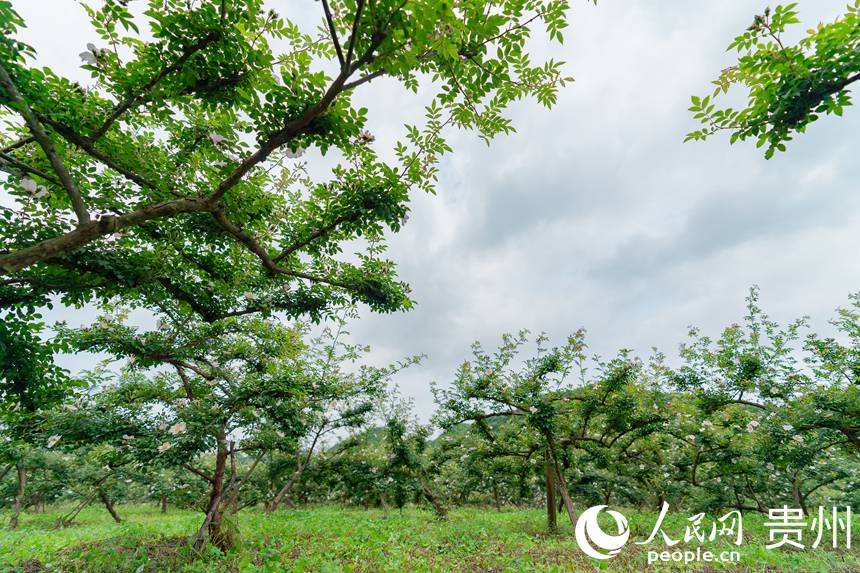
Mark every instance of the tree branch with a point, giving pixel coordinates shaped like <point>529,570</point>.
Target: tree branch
<point>134,99</point>
<point>47,146</point>
<point>333,32</point>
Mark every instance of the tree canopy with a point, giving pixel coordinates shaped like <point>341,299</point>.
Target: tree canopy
<point>173,179</point>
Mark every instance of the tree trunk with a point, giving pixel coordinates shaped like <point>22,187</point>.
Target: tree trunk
<point>279,497</point>
<point>212,524</point>
<point>565,496</point>
<point>163,504</point>
<point>440,510</point>
<point>108,505</point>
<point>19,497</point>
<point>799,499</point>
<point>496,500</point>
<point>552,520</point>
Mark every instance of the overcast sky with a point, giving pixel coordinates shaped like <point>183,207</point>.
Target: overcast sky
<point>596,214</point>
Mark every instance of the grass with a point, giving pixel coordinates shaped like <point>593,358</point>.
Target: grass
<point>333,539</point>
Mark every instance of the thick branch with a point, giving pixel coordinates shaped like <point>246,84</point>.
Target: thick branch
<point>92,230</point>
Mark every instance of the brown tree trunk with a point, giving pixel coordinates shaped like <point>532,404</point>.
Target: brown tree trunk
<point>109,505</point>
<point>19,497</point>
<point>214,510</point>
<point>799,499</point>
<point>552,520</point>
<point>440,510</point>
<point>496,500</point>
<point>565,496</point>
<point>163,504</point>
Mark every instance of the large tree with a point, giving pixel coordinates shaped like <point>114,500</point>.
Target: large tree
<point>172,179</point>
<point>789,85</point>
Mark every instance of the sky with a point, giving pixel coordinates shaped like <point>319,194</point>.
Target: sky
<point>594,214</point>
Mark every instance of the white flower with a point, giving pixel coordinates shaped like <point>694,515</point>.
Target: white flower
<point>294,154</point>
<point>89,58</point>
<point>233,157</point>
<point>489,371</point>
<point>280,434</point>
<point>250,296</point>
<point>365,137</point>
<point>178,428</point>
<point>28,185</point>
<point>787,427</point>
<point>216,138</point>
<point>691,437</point>
<point>162,426</point>
<point>798,439</point>
<point>164,446</point>
<point>70,407</point>
<point>770,467</point>
<point>707,424</point>
<point>41,191</point>
<point>219,163</point>
<point>821,384</point>
<point>641,466</point>
<point>532,409</point>
<point>92,47</point>
<point>52,441</point>
<point>127,438</point>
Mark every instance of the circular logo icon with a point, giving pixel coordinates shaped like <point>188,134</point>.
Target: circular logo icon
<point>592,539</point>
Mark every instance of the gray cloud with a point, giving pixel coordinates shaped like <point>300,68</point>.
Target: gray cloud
<point>596,214</point>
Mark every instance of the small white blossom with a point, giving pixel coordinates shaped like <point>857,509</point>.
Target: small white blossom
<point>52,441</point>
<point>787,427</point>
<point>798,439</point>
<point>178,428</point>
<point>164,447</point>
<point>294,154</point>
<point>216,138</point>
<point>89,58</point>
<point>532,409</point>
<point>162,426</point>
<point>28,185</point>
<point>250,296</point>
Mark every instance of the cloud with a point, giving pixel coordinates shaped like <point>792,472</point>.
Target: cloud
<point>596,214</point>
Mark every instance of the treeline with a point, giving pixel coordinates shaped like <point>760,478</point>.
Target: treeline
<point>252,413</point>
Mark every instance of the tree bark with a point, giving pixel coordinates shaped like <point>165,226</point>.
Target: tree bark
<point>496,501</point>
<point>552,519</point>
<point>214,510</point>
<point>163,504</point>
<point>438,507</point>
<point>19,497</point>
<point>109,505</point>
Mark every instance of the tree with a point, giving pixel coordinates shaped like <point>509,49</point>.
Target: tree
<point>172,180</point>
<point>789,86</point>
<point>242,387</point>
<point>29,382</point>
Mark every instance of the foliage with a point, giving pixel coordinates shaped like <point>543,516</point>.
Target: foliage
<point>173,179</point>
<point>789,86</point>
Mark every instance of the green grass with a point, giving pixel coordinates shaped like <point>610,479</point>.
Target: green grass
<point>337,539</point>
